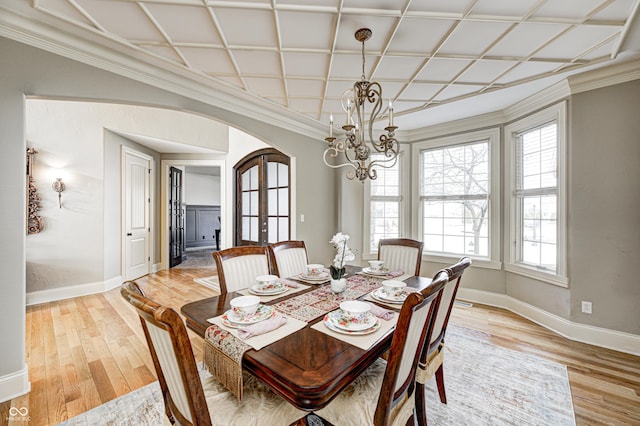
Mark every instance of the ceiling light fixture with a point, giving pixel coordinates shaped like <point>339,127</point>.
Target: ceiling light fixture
<point>358,142</point>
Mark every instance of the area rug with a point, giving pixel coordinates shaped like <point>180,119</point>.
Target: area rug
<point>197,259</point>
<point>486,385</point>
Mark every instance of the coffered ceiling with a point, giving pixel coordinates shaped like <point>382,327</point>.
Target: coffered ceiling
<point>436,60</point>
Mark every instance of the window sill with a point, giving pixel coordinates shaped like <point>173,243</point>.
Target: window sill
<point>450,260</point>
<point>537,275</point>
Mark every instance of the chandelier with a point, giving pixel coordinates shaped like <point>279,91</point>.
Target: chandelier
<point>358,143</point>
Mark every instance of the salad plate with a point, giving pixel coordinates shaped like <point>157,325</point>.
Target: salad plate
<point>262,313</point>
<point>339,319</point>
<point>270,292</point>
<point>380,295</point>
<point>370,271</point>
<point>332,326</point>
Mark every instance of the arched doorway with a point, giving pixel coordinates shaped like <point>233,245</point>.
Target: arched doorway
<point>263,198</point>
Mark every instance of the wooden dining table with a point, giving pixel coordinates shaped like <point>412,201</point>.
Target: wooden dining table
<point>307,368</point>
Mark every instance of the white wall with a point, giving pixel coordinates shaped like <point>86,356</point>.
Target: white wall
<point>71,135</point>
<point>201,190</point>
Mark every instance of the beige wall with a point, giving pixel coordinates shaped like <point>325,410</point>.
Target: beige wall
<point>604,206</point>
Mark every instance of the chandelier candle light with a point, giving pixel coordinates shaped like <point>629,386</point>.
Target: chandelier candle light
<point>358,142</point>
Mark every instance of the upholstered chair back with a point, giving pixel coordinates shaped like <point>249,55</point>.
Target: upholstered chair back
<point>396,401</point>
<point>448,298</point>
<point>288,258</point>
<point>401,254</point>
<point>238,267</point>
<point>173,358</point>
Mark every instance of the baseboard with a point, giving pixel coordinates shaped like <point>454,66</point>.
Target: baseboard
<point>15,384</point>
<point>155,267</point>
<point>611,339</point>
<point>53,294</point>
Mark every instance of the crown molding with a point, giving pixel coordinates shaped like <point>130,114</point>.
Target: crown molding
<point>167,76</point>
<point>603,77</point>
<point>463,125</point>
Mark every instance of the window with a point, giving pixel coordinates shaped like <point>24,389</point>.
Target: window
<point>384,205</point>
<point>457,196</point>
<point>536,196</point>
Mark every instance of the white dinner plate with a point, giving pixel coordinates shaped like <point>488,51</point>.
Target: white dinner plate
<point>321,277</point>
<point>340,320</point>
<point>370,271</point>
<point>380,295</point>
<point>262,313</point>
<point>329,324</point>
<point>257,291</point>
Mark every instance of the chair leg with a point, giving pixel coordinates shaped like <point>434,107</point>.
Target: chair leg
<point>440,383</point>
<point>421,405</point>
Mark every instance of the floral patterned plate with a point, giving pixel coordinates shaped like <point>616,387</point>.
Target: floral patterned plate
<point>320,277</point>
<point>332,326</point>
<point>370,271</point>
<point>275,290</point>
<point>338,319</point>
<point>262,313</point>
<point>380,295</point>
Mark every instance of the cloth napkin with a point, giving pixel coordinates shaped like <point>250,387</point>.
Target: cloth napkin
<point>288,283</point>
<point>380,312</point>
<point>262,327</point>
<point>394,274</point>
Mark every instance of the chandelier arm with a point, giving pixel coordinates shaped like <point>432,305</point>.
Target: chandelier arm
<point>334,153</point>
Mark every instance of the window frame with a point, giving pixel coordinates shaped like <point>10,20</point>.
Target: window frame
<point>492,261</point>
<point>512,240</point>
<point>403,229</point>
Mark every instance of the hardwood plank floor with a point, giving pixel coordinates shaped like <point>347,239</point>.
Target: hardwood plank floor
<point>85,351</point>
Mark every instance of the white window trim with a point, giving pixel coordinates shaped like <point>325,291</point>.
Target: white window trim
<point>556,113</point>
<point>493,135</point>
<point>367,253</point>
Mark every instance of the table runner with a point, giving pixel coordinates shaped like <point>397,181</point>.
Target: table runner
<point>223,350</point>
<point>316,303</point>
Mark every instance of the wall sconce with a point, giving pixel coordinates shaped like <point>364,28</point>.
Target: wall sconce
<point>58,186</point>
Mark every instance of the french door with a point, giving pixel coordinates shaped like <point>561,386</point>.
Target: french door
<point>176,218</point>
<point>262,198</point>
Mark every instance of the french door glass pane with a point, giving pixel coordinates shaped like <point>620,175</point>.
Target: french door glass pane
<point>283,174</point>
<point>272,201</point>
<point>283,233</point>
<point>283,201</point>
<point>254,178</point>
<point>254,203</point>
<point>273,230</point>
<point>254,229</point>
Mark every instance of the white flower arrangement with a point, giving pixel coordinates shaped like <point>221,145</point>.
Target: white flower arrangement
<point>343,255</point>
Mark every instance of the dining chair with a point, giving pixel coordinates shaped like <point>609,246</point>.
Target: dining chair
<point>383,393</point>
<point>288,258</point>
<point>190,396</point>
<point>432,358</point>
<point>401,254</point>
<point>238,267</point>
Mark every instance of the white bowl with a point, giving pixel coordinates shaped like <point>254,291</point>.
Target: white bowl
<point>314,269</point>
<point>268,282</point>
<point>393,288</point>
<point>355,309</point>
<point>244,306</point>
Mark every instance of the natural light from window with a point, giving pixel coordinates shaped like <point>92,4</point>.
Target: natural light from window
<point>455,199</point>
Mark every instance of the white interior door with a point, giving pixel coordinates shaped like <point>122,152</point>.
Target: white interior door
<point>136,215</point>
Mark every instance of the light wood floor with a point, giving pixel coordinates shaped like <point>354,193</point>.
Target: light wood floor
<point>85,351</point>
